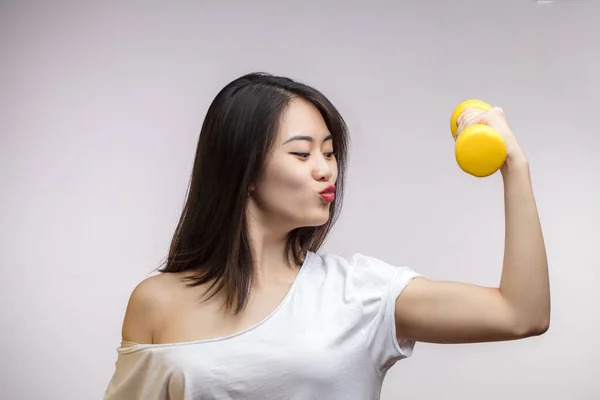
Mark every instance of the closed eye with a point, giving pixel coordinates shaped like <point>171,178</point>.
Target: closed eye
<point>306,155</point>
<point>303,155</point>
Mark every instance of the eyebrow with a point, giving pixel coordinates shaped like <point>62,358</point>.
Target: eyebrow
<point>306,138</point>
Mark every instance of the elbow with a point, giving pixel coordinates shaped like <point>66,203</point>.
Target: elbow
<point>535,327</point>
<point>539,329</point>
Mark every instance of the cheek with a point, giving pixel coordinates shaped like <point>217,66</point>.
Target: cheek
<point>284,184</point>
<point>334,170</point>
<point>290,182</point>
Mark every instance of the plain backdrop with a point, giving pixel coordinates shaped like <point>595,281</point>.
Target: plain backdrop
<point>101,104</point>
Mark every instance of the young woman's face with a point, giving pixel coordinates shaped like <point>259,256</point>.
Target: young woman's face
<point>301,167</point>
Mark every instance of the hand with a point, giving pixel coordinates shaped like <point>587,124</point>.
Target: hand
<point>495,118</point>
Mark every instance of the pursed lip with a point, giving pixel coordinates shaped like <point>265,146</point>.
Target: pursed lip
<point>328,189</point>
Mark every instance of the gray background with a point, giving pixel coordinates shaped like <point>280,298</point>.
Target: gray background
<point>101,104</point>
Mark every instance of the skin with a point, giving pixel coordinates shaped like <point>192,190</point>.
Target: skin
<point>162,310</point>
<point>453,312</point>
<point>287,195</point>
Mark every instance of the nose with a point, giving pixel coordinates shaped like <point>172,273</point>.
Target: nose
<point>322,170</point>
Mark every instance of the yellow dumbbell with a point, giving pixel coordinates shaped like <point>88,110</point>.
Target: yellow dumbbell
<point>480,150</point>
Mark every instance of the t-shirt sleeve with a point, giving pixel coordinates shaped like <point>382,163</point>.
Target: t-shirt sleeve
<point>137,377</point>
<point>376,286</point>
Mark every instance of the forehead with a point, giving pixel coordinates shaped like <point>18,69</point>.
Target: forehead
<point>302,118</point>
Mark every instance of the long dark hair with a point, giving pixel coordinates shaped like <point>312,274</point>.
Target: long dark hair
<point>235,142</point>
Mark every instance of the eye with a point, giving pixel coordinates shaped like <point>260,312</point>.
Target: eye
<point>303,155</point>
<point>328,155</point>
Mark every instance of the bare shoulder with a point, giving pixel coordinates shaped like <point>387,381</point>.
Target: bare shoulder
<point>148,303</point>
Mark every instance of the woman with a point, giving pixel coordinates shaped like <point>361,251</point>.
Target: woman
<point>244,308</point>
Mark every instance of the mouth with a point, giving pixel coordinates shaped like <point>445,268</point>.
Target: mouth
<point>328,189</point>
<point>328,195</point>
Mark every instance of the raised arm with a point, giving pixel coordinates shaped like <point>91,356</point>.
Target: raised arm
<point>454,312</point>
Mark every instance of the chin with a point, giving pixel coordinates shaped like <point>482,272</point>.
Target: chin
<point>317,219</point>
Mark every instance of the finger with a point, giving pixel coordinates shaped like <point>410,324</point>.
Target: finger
<point>470,119</point>
<point>495,115</point>
<point>467,113</point>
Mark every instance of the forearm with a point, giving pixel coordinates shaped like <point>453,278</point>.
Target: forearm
<point>524,282</point>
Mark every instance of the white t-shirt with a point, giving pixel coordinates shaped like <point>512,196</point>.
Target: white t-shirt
<point>332,337</point>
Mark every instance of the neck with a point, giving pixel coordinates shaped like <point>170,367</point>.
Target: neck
<point>268,242</point>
